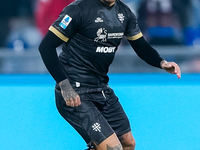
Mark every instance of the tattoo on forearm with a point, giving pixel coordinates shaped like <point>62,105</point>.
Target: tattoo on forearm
<point>119,147</point>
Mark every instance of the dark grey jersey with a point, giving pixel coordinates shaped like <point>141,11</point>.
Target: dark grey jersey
<point>92,33</point>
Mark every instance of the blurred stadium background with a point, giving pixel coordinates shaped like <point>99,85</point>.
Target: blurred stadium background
<point>169,119</point>
<point>172,27</point>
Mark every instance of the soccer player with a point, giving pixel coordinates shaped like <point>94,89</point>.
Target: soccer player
<point>91,31</point>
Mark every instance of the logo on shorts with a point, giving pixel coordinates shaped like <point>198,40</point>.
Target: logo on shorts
<point>96,127</point>
<point>65,22</point>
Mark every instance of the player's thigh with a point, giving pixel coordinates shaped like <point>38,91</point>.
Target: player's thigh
<point>111,143</point>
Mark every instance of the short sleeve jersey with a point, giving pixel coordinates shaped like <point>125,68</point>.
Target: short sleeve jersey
<point>92,32</point>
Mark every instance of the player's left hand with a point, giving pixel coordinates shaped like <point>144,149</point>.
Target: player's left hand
<point>171,67</point>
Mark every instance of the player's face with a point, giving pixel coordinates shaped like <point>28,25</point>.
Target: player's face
<point>108,2</point>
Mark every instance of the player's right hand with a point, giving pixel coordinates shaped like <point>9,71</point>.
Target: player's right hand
<point>71,98</point>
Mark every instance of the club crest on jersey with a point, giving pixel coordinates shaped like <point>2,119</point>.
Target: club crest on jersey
<point>65,22</point>
<point>121,17</point>
<point>101,35</point>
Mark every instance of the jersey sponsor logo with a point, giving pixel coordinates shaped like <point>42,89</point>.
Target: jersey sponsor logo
<point>96,127</point>
<point>115,35</point>
<point>65,22</point>
<point>98,19</point>
<point>121,17</point>
<point>105,49</point>
<point>101,35</point>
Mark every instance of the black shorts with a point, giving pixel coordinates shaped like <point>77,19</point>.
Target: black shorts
<point>99,115</point>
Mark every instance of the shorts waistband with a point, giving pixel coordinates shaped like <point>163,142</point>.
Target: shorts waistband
<point>82,88</point>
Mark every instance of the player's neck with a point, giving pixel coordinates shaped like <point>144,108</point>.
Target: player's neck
<point>108,2</point>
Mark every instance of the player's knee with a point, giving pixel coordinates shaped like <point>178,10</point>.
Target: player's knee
<point>128,141</point>
<point>130,144</point>
<point>133,143</point>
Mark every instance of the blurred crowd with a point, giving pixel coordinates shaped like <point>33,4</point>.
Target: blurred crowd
<point>23,23</point>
